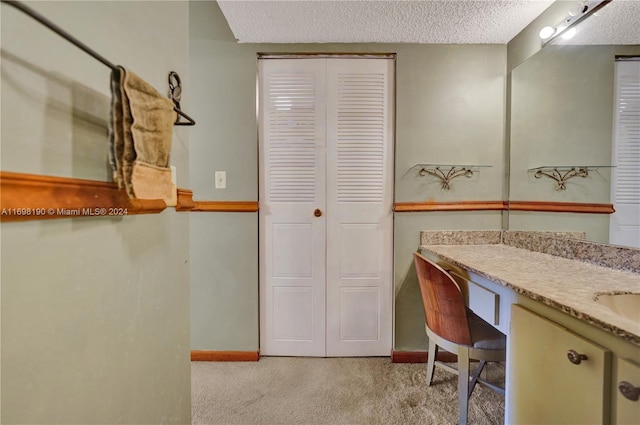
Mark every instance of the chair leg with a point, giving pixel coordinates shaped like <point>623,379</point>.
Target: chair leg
<point>475,375</point>
<point>431,361</point>
<point>463,385</point>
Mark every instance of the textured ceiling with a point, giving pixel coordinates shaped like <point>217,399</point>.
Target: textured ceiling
<point>380,21</point>
<point>415,21</point>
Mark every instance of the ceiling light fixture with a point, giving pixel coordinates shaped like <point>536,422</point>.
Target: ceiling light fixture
<point>577,12</point>
<point>547,32</point>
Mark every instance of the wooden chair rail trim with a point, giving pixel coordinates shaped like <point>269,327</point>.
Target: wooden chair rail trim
<point>225,206</point>
<point>26,197</point>
<point>535,206</point>
<point>449,206</point>
<point>185,200</point>
<point>186,203</point>
<point>224,356</point>
<point>571,207</point>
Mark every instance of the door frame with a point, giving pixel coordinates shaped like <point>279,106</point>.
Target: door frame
<point>381,55</point>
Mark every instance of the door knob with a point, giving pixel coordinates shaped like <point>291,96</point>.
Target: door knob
<point>317,212</point>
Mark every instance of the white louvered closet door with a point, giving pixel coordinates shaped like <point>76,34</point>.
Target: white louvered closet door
<point>292,187</point>
<point>359,205</point>
<point>326,144</point>
<point>625,182</point>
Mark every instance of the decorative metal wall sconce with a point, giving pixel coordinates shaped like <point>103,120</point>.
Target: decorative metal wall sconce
<point>559,176</point>
<point>563,173</point>
<point>446,173</point>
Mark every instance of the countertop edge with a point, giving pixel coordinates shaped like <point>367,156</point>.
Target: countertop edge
<point>580,315</point>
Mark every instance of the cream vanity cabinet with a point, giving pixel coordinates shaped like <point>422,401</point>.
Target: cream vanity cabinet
<point>556,375</point>
<point>562,370</point>
<point>549,380</point>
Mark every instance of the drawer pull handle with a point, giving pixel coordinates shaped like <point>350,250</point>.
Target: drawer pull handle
<point>317,212</point>
<point>629,391</point>
<point>575,357</point>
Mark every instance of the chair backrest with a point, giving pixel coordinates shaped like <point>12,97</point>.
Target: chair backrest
<point>442,300</point>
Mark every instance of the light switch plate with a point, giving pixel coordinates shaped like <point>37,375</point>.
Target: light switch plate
<point>221,179</point>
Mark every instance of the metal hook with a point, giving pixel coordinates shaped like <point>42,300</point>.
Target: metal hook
<point>175,87</point>
<point>175,94</point>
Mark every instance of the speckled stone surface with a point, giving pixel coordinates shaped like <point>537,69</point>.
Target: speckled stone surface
<point>569,245</point>
<point>567,285</point>
<point>617,257</point>
<point>524,236</point>
<point>460,237</point>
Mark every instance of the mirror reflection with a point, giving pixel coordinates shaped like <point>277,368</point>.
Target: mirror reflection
<point>562,127</point>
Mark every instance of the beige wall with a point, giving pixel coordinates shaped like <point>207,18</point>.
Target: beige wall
<point>94,311</point>
<point>449,109</point>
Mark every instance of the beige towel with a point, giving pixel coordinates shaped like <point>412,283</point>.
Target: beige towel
<point>142,139</point>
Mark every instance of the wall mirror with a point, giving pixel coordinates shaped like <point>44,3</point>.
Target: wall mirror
<point>562,118</point>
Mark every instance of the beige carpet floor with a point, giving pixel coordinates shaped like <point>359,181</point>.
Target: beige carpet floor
<point>336,391</point>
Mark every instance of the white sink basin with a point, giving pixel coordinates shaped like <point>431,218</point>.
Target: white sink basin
<point>627,305</point>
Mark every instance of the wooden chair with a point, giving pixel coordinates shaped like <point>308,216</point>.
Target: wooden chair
<point>452,326</point>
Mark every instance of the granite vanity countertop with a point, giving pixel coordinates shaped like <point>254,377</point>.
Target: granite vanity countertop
<point>567,285</point>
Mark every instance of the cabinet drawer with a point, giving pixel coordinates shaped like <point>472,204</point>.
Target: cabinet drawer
<point>626,411</point>
<point>482,301</point>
